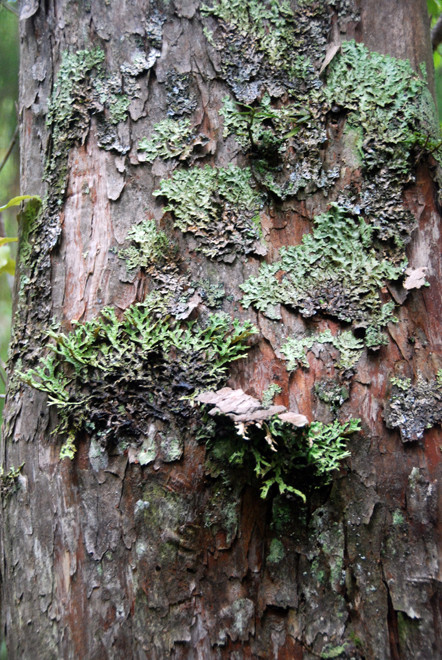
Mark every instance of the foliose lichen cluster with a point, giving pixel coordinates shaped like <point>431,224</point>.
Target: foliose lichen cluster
<point>148,363</point>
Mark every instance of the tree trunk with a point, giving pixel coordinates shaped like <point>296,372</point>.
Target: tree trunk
<point>156,539</point>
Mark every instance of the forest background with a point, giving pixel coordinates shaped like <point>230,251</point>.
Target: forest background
<point>9,156</point>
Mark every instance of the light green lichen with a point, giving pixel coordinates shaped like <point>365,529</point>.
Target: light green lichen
<point>266,23</point>
<point>276,552</point>
<point>66,112</point>
<point>269,394</point>
<point>171,138</point>
<point>398,517</point>
<point>118,107</point>
<point>112,375</point>
<point>284,143</point>
<point>212,293</point>
<point>218,205</point>
<point>151,247</point>
<point>284,459</point>
<point>385,98</point>
<point>9,480</point>
<point>335,270</point>
<point>332,392</point>
<point>403,384</point>
<point>390,106</point>
<point>349,347</point>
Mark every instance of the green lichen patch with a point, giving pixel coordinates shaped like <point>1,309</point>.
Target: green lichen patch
<point>212,293</point>
<point>69,107</point>
<point>276,552</point>
<point>269,394</point>
<point>350,348</point>
<point>279,458</point>
<point>171,138</point>
<point>332,392</point>
<point>9,480</point>
<point>391,107</point>
<point>112,376</point>
<point>269,45</point>
<point>150,248</point>
<point>413,408</point>
<point>284,143</point>
<point>217,205</point>
<point>335,270</point>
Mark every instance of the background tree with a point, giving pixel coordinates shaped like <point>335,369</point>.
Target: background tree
<point>202,167</point>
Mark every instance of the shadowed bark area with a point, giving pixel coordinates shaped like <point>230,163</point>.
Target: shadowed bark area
<point>149,543</point>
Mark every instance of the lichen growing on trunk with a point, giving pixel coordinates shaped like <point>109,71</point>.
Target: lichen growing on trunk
<point>112,376</point>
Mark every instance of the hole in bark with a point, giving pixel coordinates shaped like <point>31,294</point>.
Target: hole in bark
<point>360,333</point>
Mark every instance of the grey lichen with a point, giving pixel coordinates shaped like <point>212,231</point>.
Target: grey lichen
<point>413,408</point>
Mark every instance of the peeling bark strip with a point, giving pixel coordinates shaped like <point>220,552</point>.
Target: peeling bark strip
<point>224,180</point>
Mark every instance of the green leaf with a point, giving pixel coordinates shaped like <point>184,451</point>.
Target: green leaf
<point>16,201</point>
<point>8,239</point>
<point>7,264</point>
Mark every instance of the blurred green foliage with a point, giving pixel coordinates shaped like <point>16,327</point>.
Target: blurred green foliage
<point>9,174</point>
<point>435,10</point>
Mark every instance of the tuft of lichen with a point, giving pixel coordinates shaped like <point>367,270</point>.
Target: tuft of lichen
<point>269,394</point>
<point>171,138</point>
<point>150,248</point>
<point>112,376</point>
<point>266,45</point>
<point>335,270</point>
<point>217,205</point>
<point>413,408</point>
<point>279,458</point>
<point>391,108</point>
<point>349,347</point>
<point>285,143</point>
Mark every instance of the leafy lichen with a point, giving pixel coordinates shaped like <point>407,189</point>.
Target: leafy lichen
<point>171,138</point>
<point>391,107</point>
<point>150,247</point>
<point>269,394</point>
<point>285,144</point>
<point>335,270</point>
<point>413,408</point>
<point>111,376</point>
<point>218,205</point>
<point>349,347</point>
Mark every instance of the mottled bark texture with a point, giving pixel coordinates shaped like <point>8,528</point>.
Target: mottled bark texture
<point>147,544</point>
